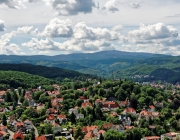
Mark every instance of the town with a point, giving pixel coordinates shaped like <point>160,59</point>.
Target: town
<point>91,110</point>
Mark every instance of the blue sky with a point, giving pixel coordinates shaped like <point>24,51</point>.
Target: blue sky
<point>51,27</point>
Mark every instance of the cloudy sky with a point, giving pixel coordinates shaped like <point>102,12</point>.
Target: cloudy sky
<point>51,27</point>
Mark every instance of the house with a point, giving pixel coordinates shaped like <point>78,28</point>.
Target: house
<point>111,105</point>
<point>126,121</point>
<point>158,104</point>
<point>18,136</point>
<point>107,126</point>
<point>113,114</point>
<point>54,93</point>
<point>62,118</point>
<point>129,110</point>
<point>28,95</point>
<point>86,104</point>
<point>83,99</point>
<point>1,100</point>
<point>82,89</point>
<point>19,126</point>
<point>100,132</point>
<point>87,129</point>
<point>51,111</point>
<point>2,110</point>
<point>99,102</point>
<point>170,136</point>
<point>74,110</point>
<point>31,102</point>
<point>89,135</point>
<point>11,120</point>
<point>145,114</point>
<point>41,138</point>
<point>125,103</point>
<point>28,125</point>
<point>151,108</point>
<point>40,106</point>
<point>129,127</point>
<point>119,128</point>
<point>50,119</point>
<point>79,116</point>
<point>58,100</point>
<point>2,135</point>
<point>2,93</point>
<point>3,128</point>
<point>151,138</point>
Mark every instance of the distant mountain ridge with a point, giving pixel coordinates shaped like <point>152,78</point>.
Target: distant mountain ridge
<point>79,56</point>
<point>107,64</point>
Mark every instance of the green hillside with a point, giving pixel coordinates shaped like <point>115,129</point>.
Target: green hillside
<point>17,79</point>
<point>48,72</point>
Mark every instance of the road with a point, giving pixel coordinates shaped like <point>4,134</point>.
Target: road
<point>35,131</point>
<point>11,134</point>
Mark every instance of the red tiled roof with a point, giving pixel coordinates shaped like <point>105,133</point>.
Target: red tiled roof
<point>107,125</point>
<point>156,114</point>
<point>101,132</point>
<point>18,135</point>
<point>86,104</point>
<point>129,127</point>
<point>98,100</point>
<point>124,102</point>
<point>89,128</point>
<point>3,128</point>
<point>50,117</point>
<point>172,134</point>
<point>145,113</point>
<point>2,133</point>
<point>52,110</point>
<point>2,93</point>
<point>114,114</point>
<point>41,138</point>
<point>62,116</point>
<point>151,106</point>
<point>27,120</point>
<point>129,110</point>
<point>89,135</point>
<point>152,137</point>
<point>55,92</point>
<point>112,104</point>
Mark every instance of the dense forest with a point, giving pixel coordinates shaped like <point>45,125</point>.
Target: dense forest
<point>15,79</point>
<point>48,72</point>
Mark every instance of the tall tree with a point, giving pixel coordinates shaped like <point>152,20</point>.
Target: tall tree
<point>4,120</point>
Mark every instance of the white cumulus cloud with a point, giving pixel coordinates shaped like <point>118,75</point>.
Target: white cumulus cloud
<point>58,28</point>
<point>155,31</point>
<point>2,26</point>
<point>71,7</point>
<point>82,31</point>
<point>15,4</point>
<point>111,5</point>
<point>72,45</point>
<point>6,47</point>
<point>117,27</point>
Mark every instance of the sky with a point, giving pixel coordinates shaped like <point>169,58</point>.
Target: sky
<point>52,27</point>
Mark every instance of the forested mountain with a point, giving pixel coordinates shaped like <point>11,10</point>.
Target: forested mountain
<point>105,64</point>
<point>48,72</point>
<point>15,79</point>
